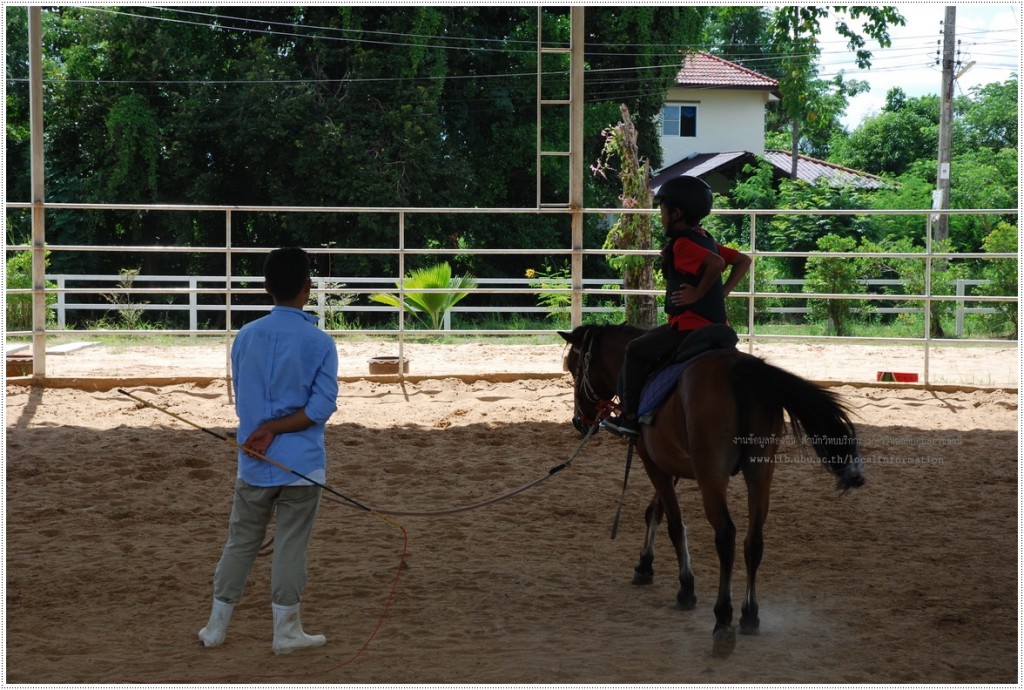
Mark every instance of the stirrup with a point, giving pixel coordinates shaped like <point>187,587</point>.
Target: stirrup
<point>620,426</point>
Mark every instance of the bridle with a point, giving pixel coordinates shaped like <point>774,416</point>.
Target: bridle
<point>584,386</point>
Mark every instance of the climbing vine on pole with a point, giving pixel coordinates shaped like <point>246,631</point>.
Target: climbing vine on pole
<point>631,230</point>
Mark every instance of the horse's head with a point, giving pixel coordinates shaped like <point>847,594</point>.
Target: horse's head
<point>594,363</point>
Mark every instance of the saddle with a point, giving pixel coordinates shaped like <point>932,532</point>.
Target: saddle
<point>663,380</point>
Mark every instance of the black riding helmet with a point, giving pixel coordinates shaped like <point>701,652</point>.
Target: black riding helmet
<point>691,195</point>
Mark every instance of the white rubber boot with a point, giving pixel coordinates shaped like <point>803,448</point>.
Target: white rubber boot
<point>213,634</point>
<point>288,634</point>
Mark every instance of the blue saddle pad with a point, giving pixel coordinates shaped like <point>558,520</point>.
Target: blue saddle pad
<point>659,386</point>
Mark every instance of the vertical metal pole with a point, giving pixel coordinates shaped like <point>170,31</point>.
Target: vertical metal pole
<point>540,98</point>
<point>927,293</point>
<point>751,283</point>
<point>227,305</point>
<point>35,69</point>
<point>401,293</point>
<point>576,158</point>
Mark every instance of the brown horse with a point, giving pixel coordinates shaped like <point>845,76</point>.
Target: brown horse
<point>724,416</point>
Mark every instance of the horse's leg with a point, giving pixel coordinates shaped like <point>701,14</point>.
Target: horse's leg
<point>686,598</point>
<point>758,479</point>
<point>643,573</point>
<point>717,512</point>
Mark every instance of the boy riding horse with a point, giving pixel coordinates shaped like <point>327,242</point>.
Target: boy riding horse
<point>693,263</point>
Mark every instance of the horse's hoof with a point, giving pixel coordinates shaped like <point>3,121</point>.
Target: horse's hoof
<point>643,578</point>
<point>723,642</point>
<point>748,626</point>
<point>686,603</point>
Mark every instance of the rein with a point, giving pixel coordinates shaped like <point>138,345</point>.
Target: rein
<point>604,408</point>
<point>625,479</point>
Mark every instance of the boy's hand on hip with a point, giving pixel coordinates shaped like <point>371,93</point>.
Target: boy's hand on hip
<point>685,295</point>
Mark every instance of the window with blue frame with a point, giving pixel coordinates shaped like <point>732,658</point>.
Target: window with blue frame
<point>679,121</point>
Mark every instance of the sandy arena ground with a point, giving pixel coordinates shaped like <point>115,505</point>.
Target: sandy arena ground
<point>116,514</point>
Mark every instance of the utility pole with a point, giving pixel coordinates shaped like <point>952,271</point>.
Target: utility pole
<point>941,198</point>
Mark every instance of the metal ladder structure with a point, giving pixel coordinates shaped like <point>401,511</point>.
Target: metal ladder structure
<point>573,100</point>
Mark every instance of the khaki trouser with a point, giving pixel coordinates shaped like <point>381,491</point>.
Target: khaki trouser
<point>251,511</point>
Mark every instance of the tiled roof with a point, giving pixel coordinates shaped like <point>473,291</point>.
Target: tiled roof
<point>706,70</point>
<point>811,170</point>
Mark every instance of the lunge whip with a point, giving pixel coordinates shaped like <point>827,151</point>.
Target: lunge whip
<point>235,444</point>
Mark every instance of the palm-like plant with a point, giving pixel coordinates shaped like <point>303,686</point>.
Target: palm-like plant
<point>429,307</point>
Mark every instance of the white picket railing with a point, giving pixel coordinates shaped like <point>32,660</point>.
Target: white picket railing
<point>579,287</point>
<point>324,287</point>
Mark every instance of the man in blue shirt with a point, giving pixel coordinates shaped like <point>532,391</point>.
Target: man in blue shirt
<point>285,378</point>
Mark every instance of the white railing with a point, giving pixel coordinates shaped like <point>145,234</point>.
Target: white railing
<point>326,286</point>
<point>578,285</point>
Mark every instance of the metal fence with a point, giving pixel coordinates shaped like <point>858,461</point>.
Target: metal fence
<point>229,287</point>
<point>327,288</point>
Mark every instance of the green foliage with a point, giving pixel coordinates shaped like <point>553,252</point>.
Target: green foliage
<point>836,276</point>
<point>765,270</point>
<point>913,273</point>
<point>911,192</point>
<point>133,137</point>
<point>19,277</point>
<point>981,179</point>
<point>989,116</point>
<point>129,312</point>
<point>429,307</point>
<point>801,233</point>
<point>630,230</point>
<point>756,189</point>
<point>1002,275</point>
<point>335,302</point>
<point>558,305</point>
<point>813,105</point>
<point>889,142</point>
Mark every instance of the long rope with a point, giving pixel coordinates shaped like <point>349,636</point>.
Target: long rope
<point>256,454</point>
<point>331,495</point>
<point>351,502</point>
<point>384,515</point>
<point>473,506</point>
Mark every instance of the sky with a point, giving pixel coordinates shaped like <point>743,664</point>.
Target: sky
<point>989,35</point>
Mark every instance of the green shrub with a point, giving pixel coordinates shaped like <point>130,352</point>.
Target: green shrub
<point>19,307</point>
<point>1002,276</point>
<point>838,276</point>
<point>429,307</point>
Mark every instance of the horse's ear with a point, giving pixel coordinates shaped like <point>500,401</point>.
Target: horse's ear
<point>566,336</point>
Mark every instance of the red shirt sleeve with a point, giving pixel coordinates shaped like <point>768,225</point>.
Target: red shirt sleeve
<point>728,254</point>
<point>688,256</point>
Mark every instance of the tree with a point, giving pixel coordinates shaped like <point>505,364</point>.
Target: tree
<point>1002,274</point>
<point>989,115</point>
<point>782,43</point>
<point>889,142</point>
<point>794,31</point>
<point>631,231</point>
<point>834,276</point>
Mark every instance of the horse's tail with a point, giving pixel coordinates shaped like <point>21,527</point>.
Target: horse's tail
<point>813,410</point>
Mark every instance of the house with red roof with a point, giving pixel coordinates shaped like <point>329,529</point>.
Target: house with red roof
<point>712,125</point>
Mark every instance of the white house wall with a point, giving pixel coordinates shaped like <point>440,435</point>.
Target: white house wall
<point>727,120</point>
